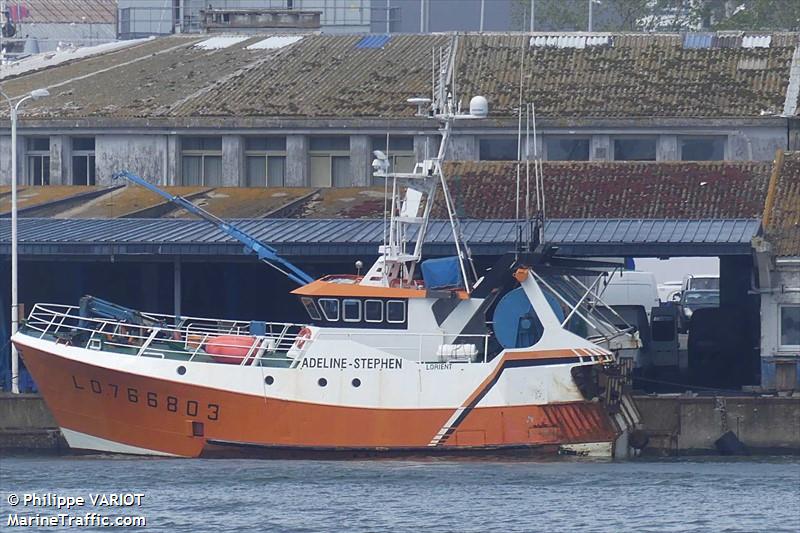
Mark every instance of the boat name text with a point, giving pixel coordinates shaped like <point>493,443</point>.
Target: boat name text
<point>359,363</point>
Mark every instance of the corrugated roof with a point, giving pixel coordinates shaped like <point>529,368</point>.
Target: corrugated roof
<point>480,189</point>
<point>347,237</point>
<point>329,76</point>
<point>65,11</point>
<point>326,76</point>
<point>675,190</point>
<point>639,76</point>
<point>783,228</point>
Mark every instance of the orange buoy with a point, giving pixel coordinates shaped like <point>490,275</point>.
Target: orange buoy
<point>229,349</point>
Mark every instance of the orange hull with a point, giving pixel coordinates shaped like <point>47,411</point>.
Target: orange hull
<point>188,420</point>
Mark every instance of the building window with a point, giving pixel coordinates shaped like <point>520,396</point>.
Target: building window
<point>83,168</point>
<point>566,148</point>
<point>201,160</point>
<point>329,162</point>
<point>38,156</point>
<point>635,149</point>
<point>400,152</point>
<point>498,149</point>
<point>265,161</point>
<point>707,148</point>
<point>790,327</point>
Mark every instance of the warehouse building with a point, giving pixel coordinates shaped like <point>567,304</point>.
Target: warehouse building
<point>128,245</point>
<point>308,110</point>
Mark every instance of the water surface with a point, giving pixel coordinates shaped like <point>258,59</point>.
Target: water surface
<point>558,496</point>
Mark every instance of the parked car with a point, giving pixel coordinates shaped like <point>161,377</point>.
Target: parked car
<point>691,301</point>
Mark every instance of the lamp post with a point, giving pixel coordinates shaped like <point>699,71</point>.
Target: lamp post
<point>13,109</point>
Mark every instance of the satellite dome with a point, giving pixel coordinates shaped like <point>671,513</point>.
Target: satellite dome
<point>479,107</point>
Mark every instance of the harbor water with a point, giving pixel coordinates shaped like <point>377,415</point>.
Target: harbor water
<point>697,494</point>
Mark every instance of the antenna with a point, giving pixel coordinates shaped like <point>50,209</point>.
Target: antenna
<point>518,243</point>
<point>538,172</point>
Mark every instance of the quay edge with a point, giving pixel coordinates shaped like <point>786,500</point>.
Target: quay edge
<point>674,424</point>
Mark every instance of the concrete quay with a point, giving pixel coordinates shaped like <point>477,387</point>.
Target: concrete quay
<point>690,425</point>
<point>675,424</point>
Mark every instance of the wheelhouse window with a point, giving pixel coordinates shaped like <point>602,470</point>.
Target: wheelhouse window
<point>373,311</point>
<point>330,308</point>
<point>201,160</point>
<point>396,311</point>
<point>311,309</point>
<point>400,152</point>
<point>83,161</point>
<point>38,155</point>
<point>498,149</point>
<point>562,148</point>
<point>351,310</point>
<point>635,149</point>
<point>329,161</point>
<point>790,327</point>
<point>705,148</point>
<point>265,161</point>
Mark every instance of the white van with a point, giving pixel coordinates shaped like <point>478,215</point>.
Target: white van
<point>701,282</point>
<point>631,287</point>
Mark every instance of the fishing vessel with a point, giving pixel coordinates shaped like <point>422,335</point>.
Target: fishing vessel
<point>412,357</point>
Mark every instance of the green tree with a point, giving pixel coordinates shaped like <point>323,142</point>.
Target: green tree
<point>660,15</point>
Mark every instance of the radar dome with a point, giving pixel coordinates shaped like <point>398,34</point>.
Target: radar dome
<point>479,107</point>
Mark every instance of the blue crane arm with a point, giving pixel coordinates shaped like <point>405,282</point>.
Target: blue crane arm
<point>264,252</point>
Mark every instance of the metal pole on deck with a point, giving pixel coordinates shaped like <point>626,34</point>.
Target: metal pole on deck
<point>483,8</point>
<point>176,291</point>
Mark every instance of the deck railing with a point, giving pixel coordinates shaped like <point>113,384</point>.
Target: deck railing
<point>188,338</point>
<point>233,341</point>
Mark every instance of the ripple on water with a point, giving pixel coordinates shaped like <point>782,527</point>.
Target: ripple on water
<point>671,495</point>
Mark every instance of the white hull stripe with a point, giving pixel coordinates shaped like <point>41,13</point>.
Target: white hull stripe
<point>461,413</point>
<point>83,441</point>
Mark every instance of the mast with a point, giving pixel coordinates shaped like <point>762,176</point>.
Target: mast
<point>413,194</point>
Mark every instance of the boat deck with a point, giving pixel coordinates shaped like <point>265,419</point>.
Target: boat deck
<point>167,337</point>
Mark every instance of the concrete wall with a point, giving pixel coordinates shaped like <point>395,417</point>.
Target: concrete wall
<point>24,411</point>
<point>60,156</point>
<point>780,369</point>
<point>360,160</point>
<point>296,160</point>
<point>145,155</point>
<point>463,148</point>
<point>158,155</point>
<point>5,160</point>
<point>233,161</point>
<point>757,144</point>
<point>691,425</point>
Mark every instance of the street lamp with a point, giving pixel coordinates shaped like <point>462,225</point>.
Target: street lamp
<point>13,108</point>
